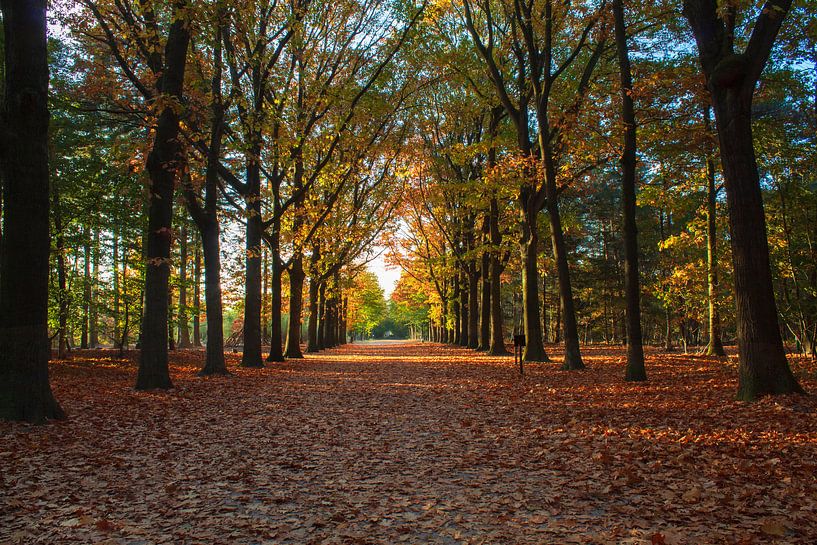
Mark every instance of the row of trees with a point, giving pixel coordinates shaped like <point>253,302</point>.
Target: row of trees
<point>541,113</point>
<point>455,128</point>
<point>283,115</point>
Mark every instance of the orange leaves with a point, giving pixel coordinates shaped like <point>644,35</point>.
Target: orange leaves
<point>413,443</point>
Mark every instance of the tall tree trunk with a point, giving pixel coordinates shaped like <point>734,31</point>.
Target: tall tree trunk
<point>197,295</point>
<point>122,341</point>
<point>573,358</point>
<point>86,290</point>
<point>184,313</point>
<point>456,338</point>
<point>25,392</point>
<point>322,316</point>
<point>485,289</point>
<point>330,321</point>
<point>557,322</point>
<point>171,329</point>
<point>731,79</point>
<point>162,166</point>
<point>214,363</point>
<point>312,325</point>
<point>464,307</point>
<point>276,353</point>
<point>62,293</point>
<point>546,310</point>
<point>343,324</point>
<point>763,366</point>
<point>497,346</point>
<point>117,286</point>
<point>207,220</point>
<point>473,306</point>
<point>264,293</point>
<point>296,289</point>
<point>252,287</point>
<point>534,347</point>
<point>635,350</point>
<point>93,310</point>
<point>715,346</point>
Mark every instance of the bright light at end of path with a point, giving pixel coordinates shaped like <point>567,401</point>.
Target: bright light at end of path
<point>387,276</point>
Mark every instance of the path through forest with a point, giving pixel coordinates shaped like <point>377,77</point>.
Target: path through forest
<point>413,443</point>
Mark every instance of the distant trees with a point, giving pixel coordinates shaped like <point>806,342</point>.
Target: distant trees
<point>367,307</point>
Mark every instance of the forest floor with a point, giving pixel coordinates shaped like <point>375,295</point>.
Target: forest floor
<point>413,443</point>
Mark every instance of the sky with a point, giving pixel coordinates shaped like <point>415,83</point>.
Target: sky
<point>387,276</point>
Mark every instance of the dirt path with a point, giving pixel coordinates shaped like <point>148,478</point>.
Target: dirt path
<point>413,443</point>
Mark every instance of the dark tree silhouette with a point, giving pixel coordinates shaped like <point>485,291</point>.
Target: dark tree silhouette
<point>731,78</point>
<point>25,393</point>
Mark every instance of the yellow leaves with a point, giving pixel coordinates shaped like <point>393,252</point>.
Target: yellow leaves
<point>163,102</point>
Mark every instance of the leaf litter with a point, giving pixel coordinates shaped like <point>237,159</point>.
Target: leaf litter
<point>413,443</point>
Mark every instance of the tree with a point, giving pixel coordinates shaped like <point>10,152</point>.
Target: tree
<point>635,351</point>
<point>25,392</point>
<point>542,54</point>
<point>162,166</point>
<point>157,72</point>
<point>714,346</point>
<point>731,78</point>
<point>367,304</point>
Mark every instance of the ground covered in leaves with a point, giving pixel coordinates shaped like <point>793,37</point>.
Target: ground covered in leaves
<point>413,443</point>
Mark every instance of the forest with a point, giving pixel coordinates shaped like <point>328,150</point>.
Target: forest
<point>199,188</point>
<point>561,172</point>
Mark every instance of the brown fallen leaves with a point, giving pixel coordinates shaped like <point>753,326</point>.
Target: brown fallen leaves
<point>413,443</point>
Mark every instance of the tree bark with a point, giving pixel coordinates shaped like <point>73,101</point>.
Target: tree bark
<point>93,311</point>
<point>62,288</point>
<point>162,166</point>
<point>184,314</point>
<point>25,392</point>
<point>122,340</point>
<point>214,363</point>
<point>264,293</point>
<point>197,296</point>
<point>171,330</point>
<point>312,324</point>
<point>86,290</point>
<point>485,289</point>
<point>276,353</point>
<point>731,79</point>
<point>322,316</point>
<point>473,306</point>
<point>343,320</point>
<point>117,284</point>
<point>456,311</point>
<point>296,289</point>
<point>252,286</point>
<point>635,370</point>
<point>714,346</point>
<point>497,347</point>
<point>573,358</point>
<point>534,347</point>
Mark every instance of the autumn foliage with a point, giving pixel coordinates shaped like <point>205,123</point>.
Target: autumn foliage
<point>413,443</point>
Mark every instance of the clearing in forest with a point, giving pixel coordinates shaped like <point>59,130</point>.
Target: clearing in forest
<point>413,443</point>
